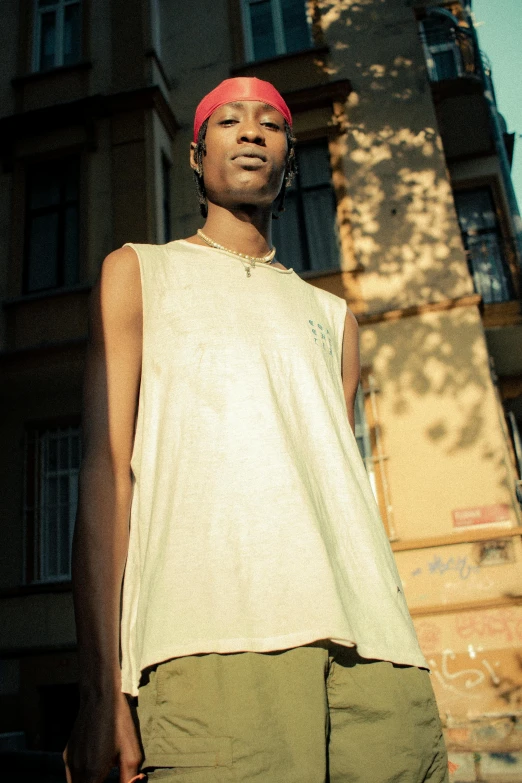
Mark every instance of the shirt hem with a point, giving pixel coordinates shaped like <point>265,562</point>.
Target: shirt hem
<point>268,645</point>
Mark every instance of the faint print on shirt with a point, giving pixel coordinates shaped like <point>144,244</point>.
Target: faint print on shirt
<point>321,336</point>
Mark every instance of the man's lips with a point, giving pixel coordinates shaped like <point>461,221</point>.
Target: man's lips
<point>249,156</point>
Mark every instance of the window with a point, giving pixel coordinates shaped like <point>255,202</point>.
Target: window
<point>369,439</point>
<point>305,234</point>
<point>441,49</point>
<point>483,242</point>
<point>275,27</point>
<point>52,239</point>
<point>57,39</point>
<point>516,439</point>
<point>165,196</point>
<point>156,26</point>
<point>52,463</point>
<point>362,436</point>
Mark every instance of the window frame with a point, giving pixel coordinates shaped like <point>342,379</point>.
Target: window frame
<point>300,190</point>
<point>155,23</point>
<point>38,11</point>
<point>62,163</point>
<point>278,30</point>
<point>449,45</point>
<point>516,437</point>
<point>35,571</point>
<point>497,230</point>
<point>379,481</point>
<point>362,431</point>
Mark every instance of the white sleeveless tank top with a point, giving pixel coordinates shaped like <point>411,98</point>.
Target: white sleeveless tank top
<point>253,525</point>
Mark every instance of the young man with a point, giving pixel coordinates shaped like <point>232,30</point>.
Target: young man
<point>264,630</point>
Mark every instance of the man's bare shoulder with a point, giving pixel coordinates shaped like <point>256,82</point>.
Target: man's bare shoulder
<point>121,263</point>
<point>351,325</point>
<point>118,288</point>
<point>120,275</point>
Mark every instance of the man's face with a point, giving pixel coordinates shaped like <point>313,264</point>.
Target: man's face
<point>246,154</point>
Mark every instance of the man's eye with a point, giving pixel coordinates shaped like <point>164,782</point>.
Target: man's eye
<point>272,125</point>
<point>227,122</point>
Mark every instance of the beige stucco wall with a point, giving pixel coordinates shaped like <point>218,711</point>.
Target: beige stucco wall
<point>398,201</point>
<point>439,419</point>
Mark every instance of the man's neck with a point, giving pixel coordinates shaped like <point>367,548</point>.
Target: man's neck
<point>246,231</point>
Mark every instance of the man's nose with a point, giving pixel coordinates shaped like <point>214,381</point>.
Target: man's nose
<point>251,131</point>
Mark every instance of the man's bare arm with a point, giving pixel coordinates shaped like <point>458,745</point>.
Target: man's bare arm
<point>351,364</point>
<point>100,544</point>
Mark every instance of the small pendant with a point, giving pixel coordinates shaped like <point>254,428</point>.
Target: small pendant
<point>247,271</point>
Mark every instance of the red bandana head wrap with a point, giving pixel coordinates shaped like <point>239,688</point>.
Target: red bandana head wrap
<point>242,88</point>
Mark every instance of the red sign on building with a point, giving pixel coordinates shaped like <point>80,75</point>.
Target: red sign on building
<point>482,515</point>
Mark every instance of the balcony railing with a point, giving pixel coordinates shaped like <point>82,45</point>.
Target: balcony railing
<point>449,50</point>
<point>489,262</point>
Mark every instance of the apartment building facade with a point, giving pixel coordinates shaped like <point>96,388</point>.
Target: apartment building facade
<point>403,205</point>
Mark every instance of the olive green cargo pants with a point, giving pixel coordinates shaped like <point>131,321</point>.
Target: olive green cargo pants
<point>313,714</point>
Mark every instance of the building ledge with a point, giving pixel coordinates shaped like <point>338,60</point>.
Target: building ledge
<point>464,537</point>
<point>244,68</point>
<point>50,73</point>
<point>37,588</point>
<point>473,300</point>
<point>49,293</point>
<point>82,112</point>
<point>320,95</point>
<point>297,75</point>
<point>152,53</point>
<point>468,84</point>
<point>310,274</point>
<point>11,358</point>
<point>498,314</point>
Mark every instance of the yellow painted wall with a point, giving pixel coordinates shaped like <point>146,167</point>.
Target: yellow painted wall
<point>403,223</point>
<point>475,664</point>
<point>439,418</point>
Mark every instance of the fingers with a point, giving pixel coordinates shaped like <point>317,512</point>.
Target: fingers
<point>67,771</point>
<point>134,779</point>
<point>130,766</point>
<point>82,775</point>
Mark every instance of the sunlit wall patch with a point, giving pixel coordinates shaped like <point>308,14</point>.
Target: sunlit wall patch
<point>321,335</point>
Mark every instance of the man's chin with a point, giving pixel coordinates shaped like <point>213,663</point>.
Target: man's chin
<point>247,202</point>
<point>252,193</point>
